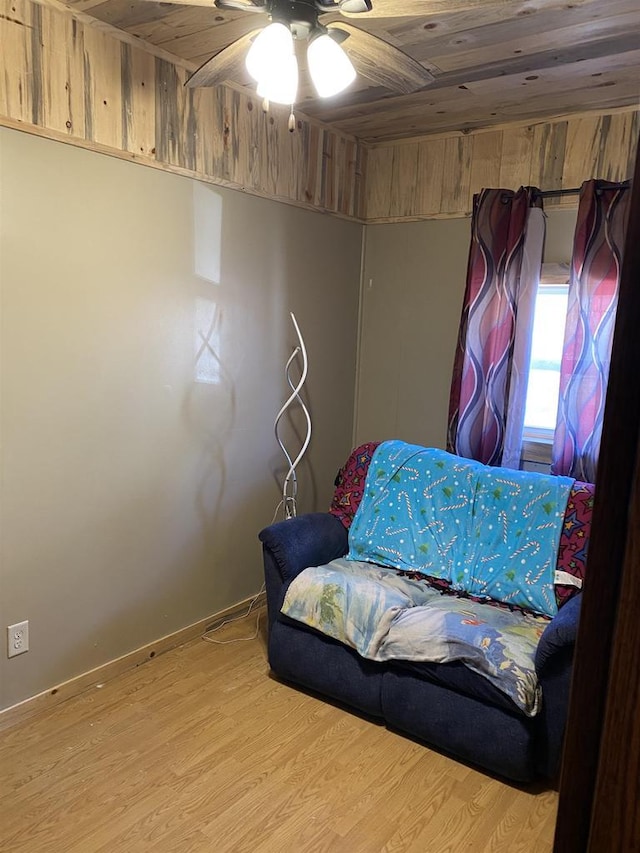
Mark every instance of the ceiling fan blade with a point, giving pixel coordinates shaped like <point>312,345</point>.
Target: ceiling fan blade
<point>209,3</point>
<point>231,5</point>
<point>225,65</point>
<point>381,62</point>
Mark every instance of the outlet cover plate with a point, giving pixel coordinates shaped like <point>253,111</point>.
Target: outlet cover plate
<point>17,639</point>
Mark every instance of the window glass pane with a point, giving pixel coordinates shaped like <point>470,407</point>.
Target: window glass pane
<point>546,355</point>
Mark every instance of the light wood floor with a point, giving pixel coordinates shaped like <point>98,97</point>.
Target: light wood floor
<point>200,750</point>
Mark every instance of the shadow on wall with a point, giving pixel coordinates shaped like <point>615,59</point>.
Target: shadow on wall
<point>209,406</point>
<point>212,391</point>
<point>225,407</point>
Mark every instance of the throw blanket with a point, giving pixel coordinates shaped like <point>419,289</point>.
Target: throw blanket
<point>385,616</point>
<point>492,532</point>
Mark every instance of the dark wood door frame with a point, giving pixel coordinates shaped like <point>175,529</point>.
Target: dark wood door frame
<point>599,805</point>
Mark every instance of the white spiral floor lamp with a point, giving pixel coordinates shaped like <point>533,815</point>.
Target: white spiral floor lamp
<point>290,484</point>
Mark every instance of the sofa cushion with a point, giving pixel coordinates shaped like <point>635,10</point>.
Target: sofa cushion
<point>461,725</point>
<point>388,617</point>
<point>459,678</point>
<point>319,663</point>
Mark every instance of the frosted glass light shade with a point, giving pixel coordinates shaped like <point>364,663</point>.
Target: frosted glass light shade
<point>279,82</point>
<point>329,66</point>
<point>268,46</point>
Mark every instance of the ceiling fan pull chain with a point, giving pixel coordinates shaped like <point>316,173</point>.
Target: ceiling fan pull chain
<point>292,121</point>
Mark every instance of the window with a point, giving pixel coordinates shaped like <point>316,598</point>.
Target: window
<point>546,355</point>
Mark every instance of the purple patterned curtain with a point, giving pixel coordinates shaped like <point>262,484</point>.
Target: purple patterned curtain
<point>591,311</point>
<point>482,366</point>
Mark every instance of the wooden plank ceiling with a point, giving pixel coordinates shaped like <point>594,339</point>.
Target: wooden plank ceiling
<point>494,61</point>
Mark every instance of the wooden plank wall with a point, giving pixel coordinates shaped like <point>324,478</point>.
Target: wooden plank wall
<point>435,177</point>
<point>68,77</point>
<point>65,78</point>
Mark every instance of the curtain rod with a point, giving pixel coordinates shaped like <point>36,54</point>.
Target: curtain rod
<point>551,193</point>
<point>572,191</point>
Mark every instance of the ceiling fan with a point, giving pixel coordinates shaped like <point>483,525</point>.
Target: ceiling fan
<point>335,50</point>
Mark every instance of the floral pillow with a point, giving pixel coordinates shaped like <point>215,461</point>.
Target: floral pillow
<point>350,483</point>
<point>574,539</point>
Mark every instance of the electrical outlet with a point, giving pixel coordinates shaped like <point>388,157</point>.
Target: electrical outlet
<point>17,639</point>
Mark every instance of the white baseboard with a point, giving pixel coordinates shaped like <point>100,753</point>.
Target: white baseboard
<point>55,695</point>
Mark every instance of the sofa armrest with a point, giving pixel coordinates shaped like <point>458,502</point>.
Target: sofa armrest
<point>308,540</point>
<point>554,664</point>
<point>559,634</point>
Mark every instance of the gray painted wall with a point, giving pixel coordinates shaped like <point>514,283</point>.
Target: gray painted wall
<point>138,459</point>
<point>413,286</point>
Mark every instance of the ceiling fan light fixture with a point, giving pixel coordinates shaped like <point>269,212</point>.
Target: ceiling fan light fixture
<point>271,43</point>
<point>329,66</point>
<point>279,82</point>
<point>354,7</point>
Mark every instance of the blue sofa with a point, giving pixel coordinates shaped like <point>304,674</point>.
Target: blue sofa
<point>445,705</point>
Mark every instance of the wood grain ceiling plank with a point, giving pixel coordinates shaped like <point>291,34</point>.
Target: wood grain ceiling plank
<point>124,14</point>
<point>189,3</point>
<point>540,112</point>
<point>178,22</point>
<point>465,33</point>
<point>572,53</point>
<point>485,77</point>
<point>585,85</point>
<point>588,72</point>
<point>213,38</point>
<point>512,113</point>
<point>531,15</point>
<point>85,6</point>
<point>372,99</point>
<point>143,19</point>
<point>398,106</point>
<point>515,111</point>
<point>557,39</point>
<point>424,8</point>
